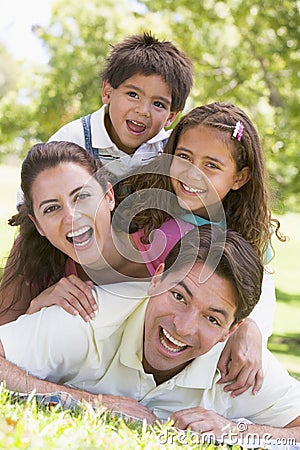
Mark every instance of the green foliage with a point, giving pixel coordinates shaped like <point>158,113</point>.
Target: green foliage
<point>244,52</point>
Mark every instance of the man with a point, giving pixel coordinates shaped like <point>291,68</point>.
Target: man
<point>157,357</point>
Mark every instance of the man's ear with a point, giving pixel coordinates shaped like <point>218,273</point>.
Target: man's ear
<point>37,226</point>
<point>231,330</point>
<point>106,92</point>
<point>241,178</point>
<point>171,119</point>
<point>156,279</point>
<point>110,196</point>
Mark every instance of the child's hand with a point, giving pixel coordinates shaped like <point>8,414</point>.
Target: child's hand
<point>72,294</point>
<point>240,363</point>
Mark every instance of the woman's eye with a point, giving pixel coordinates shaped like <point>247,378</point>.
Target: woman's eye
<point>178,297</point>
<point>50,209</point>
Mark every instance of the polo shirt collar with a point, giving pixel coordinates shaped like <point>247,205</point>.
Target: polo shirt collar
<point>199,374</point>
<point>101,139</point>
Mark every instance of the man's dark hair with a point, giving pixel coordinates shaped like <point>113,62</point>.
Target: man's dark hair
<point>225,253</point>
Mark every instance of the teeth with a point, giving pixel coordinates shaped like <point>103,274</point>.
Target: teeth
<point>138,124</point>
<point>179,344</point>
<point>82,230</point>
<point>194,191</point>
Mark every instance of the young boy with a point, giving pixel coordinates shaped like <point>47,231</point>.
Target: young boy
<point>145,83</point>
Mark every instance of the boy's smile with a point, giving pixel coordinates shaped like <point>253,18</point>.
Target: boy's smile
<point>138,109</point>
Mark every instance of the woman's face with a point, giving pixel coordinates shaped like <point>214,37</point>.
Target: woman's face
<point>204,171</point>
<point>72,211</point>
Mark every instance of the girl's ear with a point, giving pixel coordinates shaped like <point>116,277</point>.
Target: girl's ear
<point>156,279</point>
<point>37,226</point>
<point>106,92</point>
<point>241,178</point>
<point>110,196</point>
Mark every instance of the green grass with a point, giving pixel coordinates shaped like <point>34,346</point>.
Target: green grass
<point>29,426</point>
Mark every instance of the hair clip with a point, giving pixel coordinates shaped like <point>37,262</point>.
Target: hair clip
<point>238,131</point>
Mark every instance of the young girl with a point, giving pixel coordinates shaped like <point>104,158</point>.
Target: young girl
<point>218,175</point>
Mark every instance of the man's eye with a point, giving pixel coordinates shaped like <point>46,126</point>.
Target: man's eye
<point>213,320</point>
<point>178,297</point>
<point>82,196</point>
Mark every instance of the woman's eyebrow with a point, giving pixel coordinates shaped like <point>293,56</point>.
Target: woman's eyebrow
<point>50,200</point>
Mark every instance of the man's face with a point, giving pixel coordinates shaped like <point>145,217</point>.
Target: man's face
<point>185,319</point>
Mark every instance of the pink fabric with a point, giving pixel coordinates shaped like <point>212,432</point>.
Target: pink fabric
<point>162,240</point>
<point>70,268</point>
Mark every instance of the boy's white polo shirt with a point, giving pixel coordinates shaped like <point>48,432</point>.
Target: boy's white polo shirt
<point>73,132</point>
<point>105,356</point>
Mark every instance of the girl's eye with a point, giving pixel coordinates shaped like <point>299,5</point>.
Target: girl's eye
<point>50,209</point>
<point>178,297</point>
<point>212,165</point>
<point>183,156</point>
<point>159,105</point>
<point>132,94</point>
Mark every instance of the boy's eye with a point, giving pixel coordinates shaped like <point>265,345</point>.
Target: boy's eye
<point>132,94</point>
<point>178,297</point>
<point>159,105</point>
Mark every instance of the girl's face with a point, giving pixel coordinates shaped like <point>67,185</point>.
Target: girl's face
<point>72,211</point>
<point>203,170</point>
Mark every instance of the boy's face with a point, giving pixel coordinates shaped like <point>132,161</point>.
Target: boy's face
<point>185,319</point>
<point>138,109</point>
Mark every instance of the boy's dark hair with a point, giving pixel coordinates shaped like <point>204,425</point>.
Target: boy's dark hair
<point>146,55</point>
<point>225,253</point>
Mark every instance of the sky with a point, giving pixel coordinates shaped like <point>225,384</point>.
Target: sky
<point>16,20</point>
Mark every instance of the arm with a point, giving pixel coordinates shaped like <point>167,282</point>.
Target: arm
<point>202,420</point>
<point>240,362</point>
<point>19,380</point>
<point>70,293</point>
